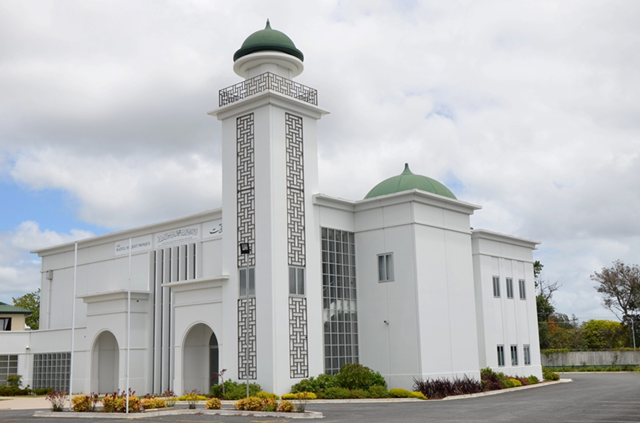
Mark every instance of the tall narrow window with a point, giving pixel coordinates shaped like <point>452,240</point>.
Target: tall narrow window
<point>296,281</point>
<point>514,355</point>
<point>496,286</point>
<point>5,323</point>
<point>509,288</point>
<point>500,355</point>
<point>385,267</point>
<point>243,282</point>
<point>527,355</point>
<point>523,294</point>
<point>339,299</point>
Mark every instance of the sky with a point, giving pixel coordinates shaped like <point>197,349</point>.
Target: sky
<point>530,109</point>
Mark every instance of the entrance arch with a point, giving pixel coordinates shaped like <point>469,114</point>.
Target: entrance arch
<point>199,358</point>
<point>105,368</point>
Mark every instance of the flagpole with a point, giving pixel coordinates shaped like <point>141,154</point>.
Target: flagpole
<point>73,321</point>
<point>128,325</point>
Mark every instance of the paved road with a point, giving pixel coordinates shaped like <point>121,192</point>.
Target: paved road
<point>602,398</point>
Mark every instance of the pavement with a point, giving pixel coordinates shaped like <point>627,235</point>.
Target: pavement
<point>24,403</point>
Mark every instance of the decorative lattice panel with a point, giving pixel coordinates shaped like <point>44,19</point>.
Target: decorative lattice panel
<point>298,347</point>
<point>295,191</point>
<point>246,187</point>
<point>245,353</point>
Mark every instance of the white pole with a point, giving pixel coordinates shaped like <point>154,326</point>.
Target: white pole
<point>633,330</point>
<point>128,326</point>
<point>246,326</point>
<point>73,321</point>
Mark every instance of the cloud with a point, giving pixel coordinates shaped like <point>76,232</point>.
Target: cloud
<point>528,109</point>
<point>19,270</point>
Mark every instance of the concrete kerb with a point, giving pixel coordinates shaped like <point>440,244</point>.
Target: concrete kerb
<point>179,411</point>
<point>506,391</point>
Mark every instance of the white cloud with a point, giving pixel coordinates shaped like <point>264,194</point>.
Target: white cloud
<point>530,107</point>
<point>19,270</point>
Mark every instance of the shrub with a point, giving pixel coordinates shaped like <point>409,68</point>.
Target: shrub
<point>549,375</point>
<point>269,404</point>
<point>315,385</point>
<point>249,404</point>
<point>234,390</point>
<point>81,403</point>
<point>189,396</point>
<point>441,388</point>
<point>264,395</point>
<point>360,393</point>
<point>213,404</point>
<point>377,391</point>
<point>117,402</point>
<point>516,382</point>
<point>300,395</point>
<point>357,376</point>
<point>14,381</point>
<point>533,380</point>
<point>399,393</point>
<point>285,407</point>
<point>42,391</point>
<point>57,399</point>
<point>335,393</point>
<point>153,403</point>
<point>418,395</point>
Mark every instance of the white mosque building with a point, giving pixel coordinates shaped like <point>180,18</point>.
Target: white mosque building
<point>283,282</point>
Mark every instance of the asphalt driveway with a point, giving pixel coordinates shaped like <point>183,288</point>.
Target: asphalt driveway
<point>599,397</point>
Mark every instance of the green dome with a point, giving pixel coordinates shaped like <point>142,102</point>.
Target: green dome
<point>268,39</point>
<point>406,181</point>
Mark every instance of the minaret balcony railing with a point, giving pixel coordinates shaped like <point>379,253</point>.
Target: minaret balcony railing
<point>264,82</point>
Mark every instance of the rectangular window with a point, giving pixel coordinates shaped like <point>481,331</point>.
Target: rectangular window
<point>500,355</point>
<point>496,286</point>
<point>523,294</point>
<point>339,299</point>
<point>5,323</point>
<point>509,288</point>
<point>385,267</point>
<point>296,280</point>
<point>8,366</point>
<point>252,282</point>
<point>514,355</point>
<point>527,355</point>
<point>51,370</point>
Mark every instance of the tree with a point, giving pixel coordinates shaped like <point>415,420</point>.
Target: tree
<point>31,302</point>
<point>604,335</point>
<point>620,285</point>
<point>544,305</point>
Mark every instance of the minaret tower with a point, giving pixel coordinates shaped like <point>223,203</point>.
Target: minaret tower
<point>270,172</point>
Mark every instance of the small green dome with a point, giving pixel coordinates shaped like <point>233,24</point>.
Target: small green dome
<point>268,39</point>
<point>406,181</point>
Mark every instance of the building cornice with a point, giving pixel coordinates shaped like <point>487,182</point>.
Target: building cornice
<point>264,98</point>
<point>120,294</point>
<point>132,232</point>
<point>193,284</point>
<point>504,238</point>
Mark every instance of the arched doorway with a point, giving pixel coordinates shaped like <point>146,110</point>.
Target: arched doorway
<point>105,359</point>
<point>199,358</point>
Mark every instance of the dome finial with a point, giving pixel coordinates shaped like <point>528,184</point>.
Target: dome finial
<point>268,24</point>
<point>406,170</point>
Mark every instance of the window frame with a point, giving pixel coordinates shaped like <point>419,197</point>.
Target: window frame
<point>523,291</point>
<point>527,354</point>
<point>514,355</point>
<point>9,321</point>
<point>500,350</point>
<point>509,283</point>
<point>496,286</point>
<point>385,268</point>
<point>242,282</point>
<point>297,287</point>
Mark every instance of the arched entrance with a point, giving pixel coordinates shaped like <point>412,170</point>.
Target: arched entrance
<point>199,358</point>
<point>105,368</point>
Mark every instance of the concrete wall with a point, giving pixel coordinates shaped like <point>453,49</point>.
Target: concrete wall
<point>592,358</point>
